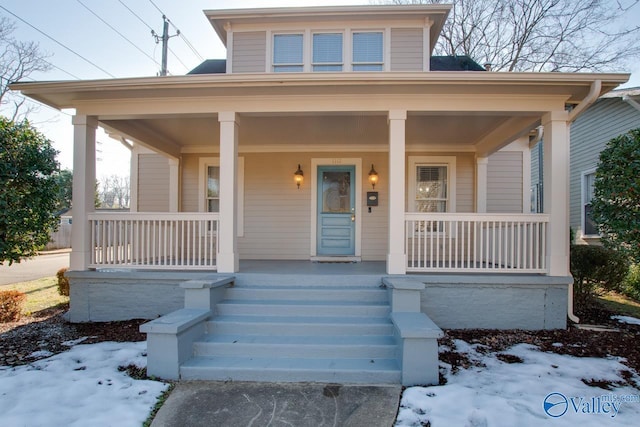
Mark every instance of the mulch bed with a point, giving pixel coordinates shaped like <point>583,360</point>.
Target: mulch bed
<point>48,331</point>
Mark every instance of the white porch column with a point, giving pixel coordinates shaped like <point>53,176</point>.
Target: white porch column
<point>481,184</point>
<point>228,246</point>
<point>396,258</point>
<point>173,184</point>
<point>84,189</point>
<point>556,190</point>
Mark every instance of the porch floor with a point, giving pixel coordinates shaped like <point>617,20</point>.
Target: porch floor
<point>313,268</point>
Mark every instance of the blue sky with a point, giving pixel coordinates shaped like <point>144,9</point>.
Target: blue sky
<point>69,22</point>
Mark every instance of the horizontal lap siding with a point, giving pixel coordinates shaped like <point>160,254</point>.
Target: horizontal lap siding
<point>406,49</point>
<point>153,183</point>
<point>504,182</point>
<point>249,52</point>
<point>465,183</point>
<point>590,134</point>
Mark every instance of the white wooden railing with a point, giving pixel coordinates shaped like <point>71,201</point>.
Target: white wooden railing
<point>453,242</point>
<point>154,240</point>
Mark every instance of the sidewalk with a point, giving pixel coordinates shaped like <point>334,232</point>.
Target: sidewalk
<point>214,403</point>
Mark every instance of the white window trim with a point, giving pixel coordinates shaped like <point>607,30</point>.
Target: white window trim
<point>385,61</point>
<point>583,202</point>
<point>342,64</point>
<point>204,163</point>
<point>305,50</point>
<point>448,161</point>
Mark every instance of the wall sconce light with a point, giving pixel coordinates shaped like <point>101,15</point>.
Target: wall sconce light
<point>298,177</point>
<point>373,177</point>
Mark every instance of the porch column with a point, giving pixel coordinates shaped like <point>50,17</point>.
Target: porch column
<point>84,189</point>
<point>556,191</point>
<point>481,184</point>
<point>173,184</point>
<point>396,258</point>
<point>228,247</point>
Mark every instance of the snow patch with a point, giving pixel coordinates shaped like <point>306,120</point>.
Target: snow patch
<point>627,319</point>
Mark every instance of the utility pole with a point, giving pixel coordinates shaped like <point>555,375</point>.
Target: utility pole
<point>165,42</point>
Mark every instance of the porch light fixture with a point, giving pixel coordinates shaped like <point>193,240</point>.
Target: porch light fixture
<point>298,176</point>
<point>373,177</point>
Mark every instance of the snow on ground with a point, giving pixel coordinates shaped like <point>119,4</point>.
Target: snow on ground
<point>627,319</point>
<point>80,387</point>
<point>514,394</point>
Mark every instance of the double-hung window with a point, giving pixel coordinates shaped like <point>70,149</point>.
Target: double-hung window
<point>432,188</point>
<point>288,53</point>
<point>213,189</point>
<point>327,52</point>
<point>589,227</point>
<point>368,52</point>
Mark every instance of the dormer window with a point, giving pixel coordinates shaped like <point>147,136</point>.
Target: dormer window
<point>327,52</point>
<point>368,53</point>
<point>288,53</point>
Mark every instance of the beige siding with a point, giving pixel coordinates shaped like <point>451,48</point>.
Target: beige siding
<point>406,49</point>
<point>249,52</point>
<point>153,183</point>
<point>465,183</point>
<point>504,182</point>
<point>190,182</point>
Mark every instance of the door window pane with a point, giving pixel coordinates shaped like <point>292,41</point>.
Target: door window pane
<point>213,189</point>
<point>367,51</point>
<point>336,192</point>
<point>287,53</point>
<point>590,228</point>
<point>327,52</point>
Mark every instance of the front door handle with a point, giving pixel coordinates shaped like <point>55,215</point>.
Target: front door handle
<point>353,217</point>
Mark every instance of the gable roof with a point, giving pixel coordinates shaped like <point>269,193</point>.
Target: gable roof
<point>438,63</point>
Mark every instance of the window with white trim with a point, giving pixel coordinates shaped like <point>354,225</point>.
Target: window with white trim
<point>368,51</point>
<point>589,227</point>
<point>209,188</point>
<point>212,196</point>
<point>432,184</point>
<point>288,53</point>
<point>327,52</point>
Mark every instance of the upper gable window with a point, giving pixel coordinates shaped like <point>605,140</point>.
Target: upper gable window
<point>288,53</point>
<point>327,52</point>
<point>368,51</point>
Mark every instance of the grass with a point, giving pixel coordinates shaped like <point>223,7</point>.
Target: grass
<point>620,304</point>
<point>41,294</point>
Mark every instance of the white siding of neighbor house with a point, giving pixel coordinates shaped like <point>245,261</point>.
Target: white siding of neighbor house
<point>407,49</point>
<point>249,52</point>
<point>153,183</point>
<point>590,133</point>
<point>504,182</point>
<point>277,216</point>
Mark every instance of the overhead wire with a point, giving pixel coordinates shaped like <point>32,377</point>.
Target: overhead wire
<point>57,42</point>
<point>136,15</point>
<point>180,33</point>
<point>118,32</point>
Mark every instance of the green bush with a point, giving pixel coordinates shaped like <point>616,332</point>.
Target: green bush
<point>63,282</point>
<point>11,305</point>
<point>596,269</point>
<point>632,283</point>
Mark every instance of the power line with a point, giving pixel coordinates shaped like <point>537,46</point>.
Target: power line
<point>181,34</point>
<point>56,41</point>
<point>118,32</point>
<point>136,15</point>
<point>64,71</point>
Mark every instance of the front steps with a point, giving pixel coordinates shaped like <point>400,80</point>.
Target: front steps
<point>297,328</point>
<point>316,333</point>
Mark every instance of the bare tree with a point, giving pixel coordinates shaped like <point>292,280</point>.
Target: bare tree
<point>18,60</point>
<point>540,35</point>
<point>114,191</point>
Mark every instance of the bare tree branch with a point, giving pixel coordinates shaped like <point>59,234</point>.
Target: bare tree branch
<point>541,35</point>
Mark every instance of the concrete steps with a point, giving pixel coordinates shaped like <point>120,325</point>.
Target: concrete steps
<point>282,332</point>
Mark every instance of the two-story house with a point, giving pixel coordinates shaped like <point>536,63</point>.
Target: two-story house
<point>328,156</point>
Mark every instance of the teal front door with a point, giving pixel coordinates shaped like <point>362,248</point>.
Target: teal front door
<point>336,211</point>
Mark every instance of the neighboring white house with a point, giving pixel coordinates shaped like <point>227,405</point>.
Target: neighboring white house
<point>613,114</point>
<point>327,135</point>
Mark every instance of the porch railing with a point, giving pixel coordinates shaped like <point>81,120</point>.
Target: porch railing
<point>154,240</point>
<point>473,242</point>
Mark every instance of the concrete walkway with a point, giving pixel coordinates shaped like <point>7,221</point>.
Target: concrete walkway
<point>235,404</point>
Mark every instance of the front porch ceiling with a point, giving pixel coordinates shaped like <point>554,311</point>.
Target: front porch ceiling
<point>347,131</point>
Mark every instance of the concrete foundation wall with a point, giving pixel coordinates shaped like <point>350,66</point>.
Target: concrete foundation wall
<point>496,302</point>
<point>102,296</point>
